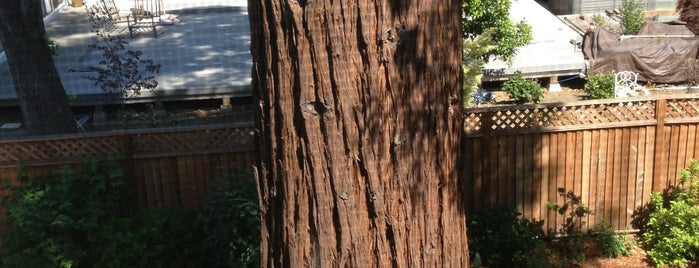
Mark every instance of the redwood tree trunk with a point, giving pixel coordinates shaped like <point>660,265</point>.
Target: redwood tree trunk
<point>40,93</point>
<point>359,124</point>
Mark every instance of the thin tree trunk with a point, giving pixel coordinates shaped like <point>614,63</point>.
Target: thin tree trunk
<point>359,124</point>
<point>40,93</point>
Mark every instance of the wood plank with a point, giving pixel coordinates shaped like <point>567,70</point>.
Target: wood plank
<point>594,141</point>
<point>641,169</point>
<point>467,172</point>
<point>673,164</point>
<point>478,177</point>
<point>609,177</point>
<point>156,178</point>
<point>617,179</point>
<point>503,174</point>
<point>632,177</point>
<point>186,187</point>
<point>682,159</point>
<point>553,180</point>
<point>570,163</point>
<point>545,175</point>
<point>602,175</point>
<point>519,176</point>
<point>167,182</point>
<point>660,153</point>
<point>511,172</point>
<point>149,183</point>
<point>649,165</point>
<point>561,172</point>
<point>691,142</point>
<point>492,175</point>
<point>585,152</point>
<point>536,176</point>
<point>528,162</point>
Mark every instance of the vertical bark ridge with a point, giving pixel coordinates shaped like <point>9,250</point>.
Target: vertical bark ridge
<point>355,135</point>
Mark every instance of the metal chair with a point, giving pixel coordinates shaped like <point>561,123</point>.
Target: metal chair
<point>145,14</point>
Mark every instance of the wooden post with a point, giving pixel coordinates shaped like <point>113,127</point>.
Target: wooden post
<point>554,86</point>
<point>226,107</point>
<point>660,153</point>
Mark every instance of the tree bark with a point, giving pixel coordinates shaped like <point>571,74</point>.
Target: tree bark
<point>40,94</point>
<point>359,124</point>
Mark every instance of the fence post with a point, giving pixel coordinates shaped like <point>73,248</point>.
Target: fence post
<point>659,151</point>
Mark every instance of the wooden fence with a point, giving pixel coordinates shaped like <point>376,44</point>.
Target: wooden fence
<point>612,154</point>
<point>168,167</point>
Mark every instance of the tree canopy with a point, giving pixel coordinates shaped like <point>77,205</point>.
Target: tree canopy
<point>481,15</point>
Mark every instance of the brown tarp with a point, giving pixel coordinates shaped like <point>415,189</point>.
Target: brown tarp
<point>660,60</point>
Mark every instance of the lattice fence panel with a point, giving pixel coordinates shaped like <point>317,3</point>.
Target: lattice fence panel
<point>57,150</point>
<point>682,108</point>
<point>515,119</point>
<point>204,140</point>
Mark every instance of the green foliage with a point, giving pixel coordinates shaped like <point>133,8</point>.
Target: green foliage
<point>571,245</point>
<point>671,235</point>
<point>55,219</point>
<point>480,15</point>
<point>632,17</point>
<point>230,219</point>
<point>475,50</point>
<point>523,90</point>
<point>53,45</point>
<point>612,244</point>
<point>600,86</point>
<point>598,19</point>
<point>498,238</point>
<point>73,218</point>
<point>150,238</point>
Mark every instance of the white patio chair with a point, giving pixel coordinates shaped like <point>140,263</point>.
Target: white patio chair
<point>625,85</point>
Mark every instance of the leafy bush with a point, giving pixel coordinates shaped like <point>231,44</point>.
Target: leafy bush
<point>230,220</point>
<point>612,244</point>
<point>55,220</point>
<point>523,90</point>
<point>500,239</point>
<point>671,235</point>
<point>600,86</point>
<point>632,17</point>
<point>571,245</point>
<point>73,218</point>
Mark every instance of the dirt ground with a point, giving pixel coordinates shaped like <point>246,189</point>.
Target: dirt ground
<point>571,92</point>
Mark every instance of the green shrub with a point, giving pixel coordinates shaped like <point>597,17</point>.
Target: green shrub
<point>612,244</point>
<point>571,245</point>
<point>600,86</point>
<point>671,235</point>
<point>230,220</point>
<point>523,90</point>
<point>55,220</point>
<point>500,239</point>
<point>632,17</point>
<point>150,238</point>
<point>73,218</point>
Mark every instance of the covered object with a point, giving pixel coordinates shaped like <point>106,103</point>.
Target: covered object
<point>658,52</point>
